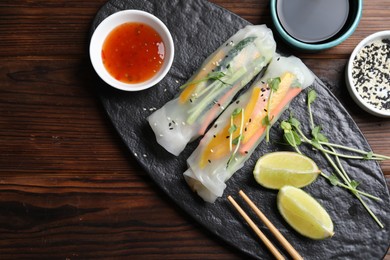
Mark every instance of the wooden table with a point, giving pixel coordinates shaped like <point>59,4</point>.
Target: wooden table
<point>68,186</point>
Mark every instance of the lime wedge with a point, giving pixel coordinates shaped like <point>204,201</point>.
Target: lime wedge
<point>278,169</point>
<point>304,213</point>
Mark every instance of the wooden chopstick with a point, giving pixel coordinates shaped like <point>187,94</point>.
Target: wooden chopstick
<point>289,248</point>
<point>263,238</point>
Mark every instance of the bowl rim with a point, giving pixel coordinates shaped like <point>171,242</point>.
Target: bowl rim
<point>315,46</point>
<point>116,19</point>
<point>353,92</point>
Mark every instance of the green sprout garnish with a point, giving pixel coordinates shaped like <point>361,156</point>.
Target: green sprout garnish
<point>273,84</point>
<point>236,141</point>
<point>294,136</point>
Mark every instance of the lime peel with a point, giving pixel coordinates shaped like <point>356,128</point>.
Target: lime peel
<point>303,213</point>
<point>277,169</point>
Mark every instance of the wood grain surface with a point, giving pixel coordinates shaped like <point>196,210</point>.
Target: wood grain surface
<point>69,188</point>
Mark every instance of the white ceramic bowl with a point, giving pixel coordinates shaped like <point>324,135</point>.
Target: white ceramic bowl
<point>374,110</point>
<point>116,19</point>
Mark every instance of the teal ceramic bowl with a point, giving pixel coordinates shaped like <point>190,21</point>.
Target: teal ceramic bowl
<point>350,25</point>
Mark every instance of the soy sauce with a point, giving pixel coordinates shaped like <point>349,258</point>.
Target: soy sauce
<point>312,21</point>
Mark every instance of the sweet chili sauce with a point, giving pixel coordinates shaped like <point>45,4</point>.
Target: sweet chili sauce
<point>133,52</point>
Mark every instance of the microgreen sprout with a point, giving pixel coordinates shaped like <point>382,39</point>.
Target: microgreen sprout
<point>215,75</point>
<point>294,136</point>
<point>311,96</point>
<point>273,84</point>
<point>233,128</point>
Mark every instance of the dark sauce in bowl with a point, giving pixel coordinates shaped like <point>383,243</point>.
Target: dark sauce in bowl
<point>313,21</point>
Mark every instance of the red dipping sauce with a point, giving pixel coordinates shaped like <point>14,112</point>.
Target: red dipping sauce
<point>133,52</point>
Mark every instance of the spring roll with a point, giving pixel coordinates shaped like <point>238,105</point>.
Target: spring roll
<point>209,91</point>
<point>243,125</point>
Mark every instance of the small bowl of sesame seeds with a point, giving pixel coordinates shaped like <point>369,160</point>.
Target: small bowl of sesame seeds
<point>368,74</point>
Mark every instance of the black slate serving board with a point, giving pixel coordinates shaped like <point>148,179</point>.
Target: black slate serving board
<point>198,28</point>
